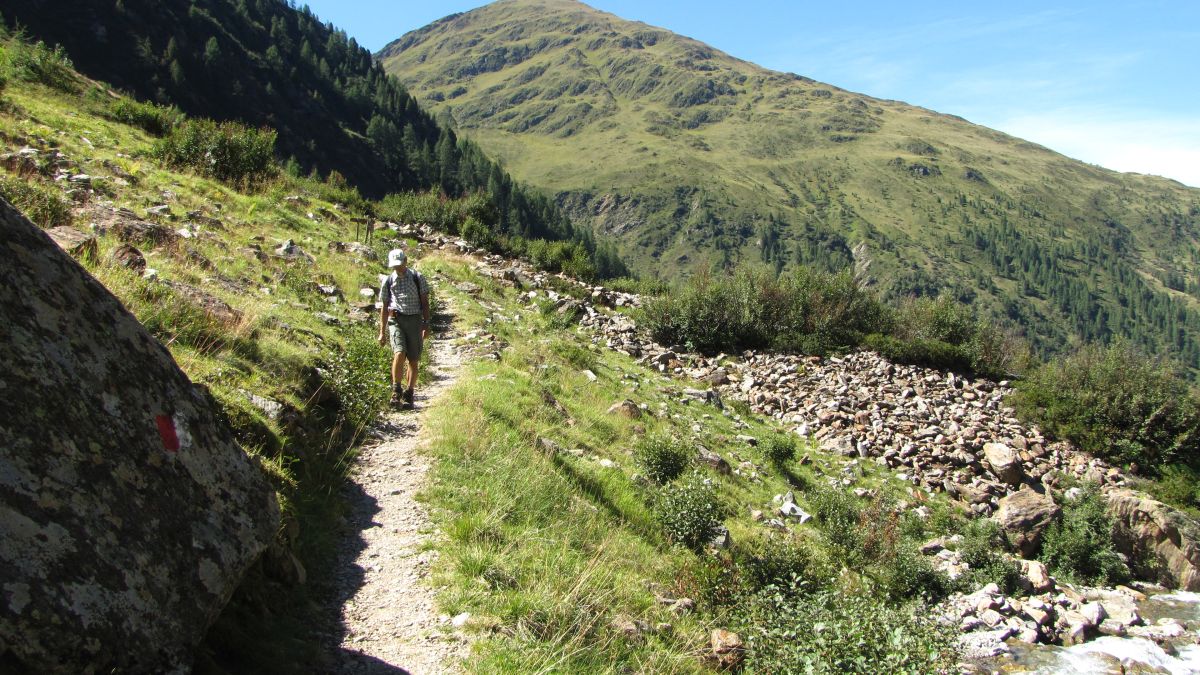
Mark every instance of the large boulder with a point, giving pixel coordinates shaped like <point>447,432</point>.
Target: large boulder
<point>1004,462</point>
<point>128,514</point>
<point>1024,516</point>
<point>1169,537</point>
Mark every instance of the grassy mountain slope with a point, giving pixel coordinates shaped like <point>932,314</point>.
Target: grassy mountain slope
<point>691,158</point>
<point>556,556</point>
<point>335,110</point>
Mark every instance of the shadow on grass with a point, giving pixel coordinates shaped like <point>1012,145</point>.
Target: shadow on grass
<point>598,495</point>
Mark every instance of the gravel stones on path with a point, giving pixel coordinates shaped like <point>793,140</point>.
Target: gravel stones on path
<point>387,608</point>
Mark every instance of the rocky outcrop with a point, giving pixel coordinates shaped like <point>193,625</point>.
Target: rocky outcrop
<point>1145,527</point>
<point>128,515</point>
<point>1024,517</point>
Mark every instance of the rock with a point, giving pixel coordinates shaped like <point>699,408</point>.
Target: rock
<point>712,459</point>
<point>132,231</point>
<point>625,408</point>
<point>1003,462</point>
<point>1077,628</point>
<point>1169,537</point>
<point>1036,576</point>
<point>1093,612</point>
<point>790,510</point>
<point>74,242</point>
<point>127,256</point>
<point>290,251</point>
<point>984,644</point>
<point>727,648</point>
<point>1024,516</point>
<point>211,304</point>
<point>128,515</point>
<point>627,627</point>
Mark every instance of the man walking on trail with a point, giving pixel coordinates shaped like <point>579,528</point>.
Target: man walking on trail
<point>404,317</point>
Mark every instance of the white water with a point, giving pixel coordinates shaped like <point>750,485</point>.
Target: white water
<point>1089,658</point>
<point>1111,654</point>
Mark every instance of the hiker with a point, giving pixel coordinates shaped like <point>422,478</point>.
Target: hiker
<point>404,315</point>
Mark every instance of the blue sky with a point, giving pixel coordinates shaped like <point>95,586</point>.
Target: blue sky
<point>1112,83</point>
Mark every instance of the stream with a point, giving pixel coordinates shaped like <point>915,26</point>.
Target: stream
<point>1119,655</point>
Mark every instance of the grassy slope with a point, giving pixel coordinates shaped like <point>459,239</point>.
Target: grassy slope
<point>599,107</point>
<point>272,351</point>
<point>548,550</point>
<point>545,550</point>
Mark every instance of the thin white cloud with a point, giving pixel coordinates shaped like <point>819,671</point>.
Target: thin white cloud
<point>1122,141</point>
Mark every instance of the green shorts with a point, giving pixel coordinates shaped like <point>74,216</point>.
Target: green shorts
<point>405,332</point>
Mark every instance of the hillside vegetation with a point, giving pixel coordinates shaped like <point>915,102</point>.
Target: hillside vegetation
<point>693,159</point>
<point>579,535</point>
<point>334,111</point>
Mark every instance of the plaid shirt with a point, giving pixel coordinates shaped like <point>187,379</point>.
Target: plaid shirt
<point>406,292</point>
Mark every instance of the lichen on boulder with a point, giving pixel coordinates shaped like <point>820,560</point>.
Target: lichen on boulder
<point>128,514</point>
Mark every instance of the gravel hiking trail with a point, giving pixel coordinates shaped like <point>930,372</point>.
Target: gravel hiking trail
<point>384,603</point>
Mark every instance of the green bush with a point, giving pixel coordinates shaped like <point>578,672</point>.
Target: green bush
<point>778,449</point>
<point>943,333</point>
<point>689,512</point>
<point>1177,485</point>
<point>1115,403</point>
<point>662,458</point>
<point>477,234</point>
<point>153,118</point>
<point>227,151</point>
<point>40,203</point>
<point>1079,546</point>
<point>430,208</point>
<point>839,516</point>
<point>839,632</point>
<point>806,311</point>
<point>982,549</point>
<point>361,377</point>
<point>907,574</point>
<point>776,560</point>
<point>35,62</point>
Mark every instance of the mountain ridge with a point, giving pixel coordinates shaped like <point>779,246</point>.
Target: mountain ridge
<point>693,159</point>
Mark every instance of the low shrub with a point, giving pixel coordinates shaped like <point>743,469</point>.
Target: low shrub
<point>662,458</point>
<point>227,151</point>
<point>778,449</point>
<point>361,378</point>
<point>982,549</point>
<point>477,234</point>
<point>40,203</point>
<point>907,574</point>
<point>1079,546</point>
<point>779,561</point>
<point>150,117</point>
<point>36,62</point>
<point>689,511</point>
<point>1177,485</point>
<point>1116,403</point>
<point>839,516</point>
<point>944,333</point>
<point>807,311</point>
<point>833,631</point>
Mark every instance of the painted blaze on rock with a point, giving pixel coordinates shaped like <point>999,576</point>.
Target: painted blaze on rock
<point>128,514</point>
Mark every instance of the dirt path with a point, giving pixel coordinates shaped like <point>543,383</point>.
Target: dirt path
<point>389,621</point>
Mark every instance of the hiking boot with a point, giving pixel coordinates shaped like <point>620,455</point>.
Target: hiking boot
<point>397,397</point>
<point>408,398</point>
